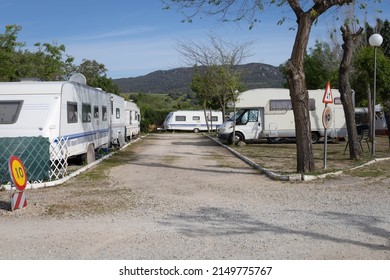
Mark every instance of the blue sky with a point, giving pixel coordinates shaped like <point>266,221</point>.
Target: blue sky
<point>136,37</point>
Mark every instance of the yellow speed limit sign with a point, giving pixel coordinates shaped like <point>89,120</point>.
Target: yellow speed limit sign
<point>17,172</point>
<point>327,117</point>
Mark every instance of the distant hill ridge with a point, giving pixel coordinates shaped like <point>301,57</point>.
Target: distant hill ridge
<point>177,80</point>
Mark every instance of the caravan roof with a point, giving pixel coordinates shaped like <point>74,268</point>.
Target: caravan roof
<point>33,87</point>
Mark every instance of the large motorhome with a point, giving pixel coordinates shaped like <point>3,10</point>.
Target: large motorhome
<point>267,114</point>
<point>58,120</point>
<point>192,120</point>
<point>132,120</point>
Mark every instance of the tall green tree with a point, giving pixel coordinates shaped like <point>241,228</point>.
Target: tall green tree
<point>363,78</point>
<point>95,74</point>
<point>48,63</point>
<point>9,49</point>
<point>321,65</point>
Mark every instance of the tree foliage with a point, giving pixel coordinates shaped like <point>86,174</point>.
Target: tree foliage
<point>321,65</point>
<point>48,62</point>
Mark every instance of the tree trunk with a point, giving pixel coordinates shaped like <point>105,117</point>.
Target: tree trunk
<point>205,117</point>
<point>386,108</point>
<point>300,97</point>
<point>346,93</point>
<point>387,118</point>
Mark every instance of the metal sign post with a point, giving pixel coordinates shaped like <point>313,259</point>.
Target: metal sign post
<point>327,118</point>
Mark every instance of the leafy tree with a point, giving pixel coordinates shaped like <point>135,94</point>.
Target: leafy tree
<point>95,74</point>
<point>306,15</point>
<point>8,53</point>
<point>49,62</point>
<point>217,59</point>
<point>321,66</point>
<point>364,66</point>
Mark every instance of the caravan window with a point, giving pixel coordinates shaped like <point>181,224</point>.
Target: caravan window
<point>280,105</point>
<point>96,112</point>
<point>180,118</point>
<point>104,113</point>
<point>196,118</point>
<point>9,111</point>
<point>86,113</point>
<point>286,105</point>
<point>213,118</point>
<point>72,112</point>
<point>312,104</point>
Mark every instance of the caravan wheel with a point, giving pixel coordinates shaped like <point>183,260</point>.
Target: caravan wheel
<point>196,130</point>
<point>315,137</point>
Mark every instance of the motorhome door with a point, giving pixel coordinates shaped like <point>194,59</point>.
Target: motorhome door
<point>250,123</point>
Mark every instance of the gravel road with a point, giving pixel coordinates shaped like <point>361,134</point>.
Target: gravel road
<point>184,197</point>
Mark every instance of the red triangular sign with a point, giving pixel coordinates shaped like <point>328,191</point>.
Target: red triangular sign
<point>328,97</point>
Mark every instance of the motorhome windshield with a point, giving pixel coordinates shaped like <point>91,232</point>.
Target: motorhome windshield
<point>237,115</point>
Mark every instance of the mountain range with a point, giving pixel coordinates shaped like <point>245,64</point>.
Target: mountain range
<point>177,80</point>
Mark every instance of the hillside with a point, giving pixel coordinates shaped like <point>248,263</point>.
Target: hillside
<point>254,75</point>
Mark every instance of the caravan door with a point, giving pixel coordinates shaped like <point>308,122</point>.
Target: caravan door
<point>249,123</point>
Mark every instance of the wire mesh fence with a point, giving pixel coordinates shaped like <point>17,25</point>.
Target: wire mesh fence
<point>43,161</point>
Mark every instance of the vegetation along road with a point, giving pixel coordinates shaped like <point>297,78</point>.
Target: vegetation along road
<point>181,196</point>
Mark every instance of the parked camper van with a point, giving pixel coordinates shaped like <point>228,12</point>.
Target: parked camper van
<point>192,120</point>
<point>267,114</point>
<point>132,120</point>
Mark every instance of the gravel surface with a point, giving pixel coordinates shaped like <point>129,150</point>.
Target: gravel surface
<point>181,196</point>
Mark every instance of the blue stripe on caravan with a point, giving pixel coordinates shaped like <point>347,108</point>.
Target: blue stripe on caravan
<point>81,135</point>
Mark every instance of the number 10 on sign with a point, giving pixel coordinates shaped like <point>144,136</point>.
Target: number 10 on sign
<point>19,180</point>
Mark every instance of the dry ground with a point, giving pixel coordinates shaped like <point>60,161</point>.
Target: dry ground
<point>181,196</point>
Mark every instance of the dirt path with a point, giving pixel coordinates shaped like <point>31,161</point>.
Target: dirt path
<point>183,197</point>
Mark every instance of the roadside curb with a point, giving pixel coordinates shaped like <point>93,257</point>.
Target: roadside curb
<point>291,177</point>
<point>268,173</point>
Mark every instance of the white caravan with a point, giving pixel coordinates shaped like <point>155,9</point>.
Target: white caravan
<point>192,120</point>
<point>132,120</point>
<point>267,114</point>
<point>117,120</point>
<point>59,111</point>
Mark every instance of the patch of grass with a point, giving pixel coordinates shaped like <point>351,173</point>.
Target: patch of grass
<point>379,169</point>
<point>281,157</point>
<point>222,160</point>
<point>98,173</point>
